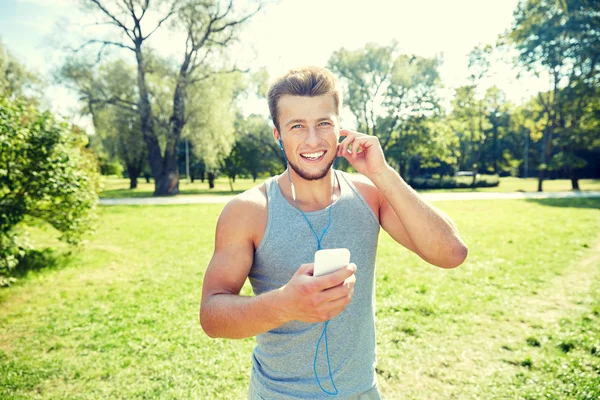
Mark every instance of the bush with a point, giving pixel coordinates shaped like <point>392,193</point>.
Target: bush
<point>45,173</point>
<point>454,182</point>
<point>108,167</point>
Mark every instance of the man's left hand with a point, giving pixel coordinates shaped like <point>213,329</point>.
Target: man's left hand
<point>365,154</point>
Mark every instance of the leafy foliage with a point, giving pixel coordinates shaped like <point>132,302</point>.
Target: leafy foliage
<point>254,150</point>
<point>15,79</point>
<point>45,173</point>
<point>562,39</point>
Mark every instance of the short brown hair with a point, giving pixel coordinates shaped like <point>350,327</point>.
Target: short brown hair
<point>307,81</point>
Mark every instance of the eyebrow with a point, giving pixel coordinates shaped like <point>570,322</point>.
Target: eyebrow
<point>298,120</point>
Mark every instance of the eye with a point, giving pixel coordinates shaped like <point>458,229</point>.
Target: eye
<point>296,126</point>
<point>325,122</point>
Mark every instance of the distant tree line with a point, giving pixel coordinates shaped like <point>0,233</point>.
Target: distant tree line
<point>392,95</point>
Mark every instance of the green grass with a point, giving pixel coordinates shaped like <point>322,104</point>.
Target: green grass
<point>119,188</point>
<point>509,184</point>
<point>119,319</point>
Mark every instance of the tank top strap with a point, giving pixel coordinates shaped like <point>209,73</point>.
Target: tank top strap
<point>271,188</point>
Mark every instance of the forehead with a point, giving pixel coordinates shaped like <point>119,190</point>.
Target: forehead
<point>306,107</point>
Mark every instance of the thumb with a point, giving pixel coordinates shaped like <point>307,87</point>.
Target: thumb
<point>305,269</point>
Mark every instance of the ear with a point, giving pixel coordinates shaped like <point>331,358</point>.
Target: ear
<point>277,137</point>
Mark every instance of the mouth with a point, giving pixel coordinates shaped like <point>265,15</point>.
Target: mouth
<point>314,156</point>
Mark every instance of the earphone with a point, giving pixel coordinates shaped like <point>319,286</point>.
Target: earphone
<point>324,333</point>
<point>286,161</point>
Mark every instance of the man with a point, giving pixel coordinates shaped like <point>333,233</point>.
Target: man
<point>271,232</point>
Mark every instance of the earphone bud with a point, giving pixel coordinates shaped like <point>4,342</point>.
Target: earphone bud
<point>280,144</point>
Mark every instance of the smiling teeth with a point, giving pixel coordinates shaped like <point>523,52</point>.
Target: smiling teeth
<point>314,156</point>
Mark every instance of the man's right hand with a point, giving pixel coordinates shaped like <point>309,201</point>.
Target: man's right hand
<point>311,298</point>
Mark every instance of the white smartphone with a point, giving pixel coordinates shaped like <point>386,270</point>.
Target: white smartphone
<point>330,260</point>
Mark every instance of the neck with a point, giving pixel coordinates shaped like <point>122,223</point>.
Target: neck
<point>310,195</point>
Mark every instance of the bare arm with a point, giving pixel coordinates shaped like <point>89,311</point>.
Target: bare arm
<point>412,221</point>
<point>224,313</point>
<point>409,219</point>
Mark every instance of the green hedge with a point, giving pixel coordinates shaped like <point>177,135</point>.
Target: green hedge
<point>454,182</point>
<point>46,173</point>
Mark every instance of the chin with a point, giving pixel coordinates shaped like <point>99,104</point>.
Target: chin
<point>311,175</point>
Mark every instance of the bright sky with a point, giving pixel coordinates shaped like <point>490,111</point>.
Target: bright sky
<point>301,32</point>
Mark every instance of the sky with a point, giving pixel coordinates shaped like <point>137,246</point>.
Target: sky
<point>292,33</point>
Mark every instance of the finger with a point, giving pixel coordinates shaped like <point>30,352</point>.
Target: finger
<point>346,142</point>
<point>335,307</point>
<point>356,147</point>
<point>364,142</point>
<point>335,278</point>
<point>337,292</point>
<point>306,269</point>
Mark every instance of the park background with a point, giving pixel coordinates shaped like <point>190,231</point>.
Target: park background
<point>156,99</point>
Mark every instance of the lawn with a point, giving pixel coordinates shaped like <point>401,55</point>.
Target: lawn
<point>119,188</point>
<point>119,319</point>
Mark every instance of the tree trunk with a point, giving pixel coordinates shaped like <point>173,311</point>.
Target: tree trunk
<point>402,169</point>
<point>133,173</point>
<point>574,180</point>
<point>541,180</point>
<point>154,156</point>
<point>211,180</point>
<point>168,182</point>
<point>495,148</point>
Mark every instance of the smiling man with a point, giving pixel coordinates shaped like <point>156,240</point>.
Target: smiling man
<point>315,335</point>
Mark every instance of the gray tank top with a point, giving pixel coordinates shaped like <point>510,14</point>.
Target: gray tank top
<point>282,361</point>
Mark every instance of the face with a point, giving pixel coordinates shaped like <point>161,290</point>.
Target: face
<point>309,132</point>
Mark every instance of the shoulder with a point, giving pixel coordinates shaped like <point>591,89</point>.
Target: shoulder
<point>245,215</point>
<point>367,189</point>
<point>252,200</point>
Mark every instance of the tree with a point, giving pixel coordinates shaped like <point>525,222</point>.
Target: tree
<point>495,109</point>
<point>15,79</point>
<point>366,74</point>
<point>118,133</point>
<point>45,173</point>
<point>464,120</point>
<point>208,28</point>
<point>479,65</point>
<point>211,125</point>
<point>254,150</point>
<point>391,96</point>
<point>562,39</point>
<point>577,129</point>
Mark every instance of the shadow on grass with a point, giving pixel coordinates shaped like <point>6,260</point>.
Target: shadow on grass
<point>128,193</point>
<point>38,260</point>
<point>592,202</point>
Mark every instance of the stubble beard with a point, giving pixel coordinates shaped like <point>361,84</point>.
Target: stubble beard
<point>314,176</point>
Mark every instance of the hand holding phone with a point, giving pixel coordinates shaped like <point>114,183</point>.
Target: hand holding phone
<point>330,260</point>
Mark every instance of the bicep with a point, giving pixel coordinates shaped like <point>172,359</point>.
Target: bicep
<point>232,258</point>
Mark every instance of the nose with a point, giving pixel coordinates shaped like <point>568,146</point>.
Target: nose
<point>312,138</point>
